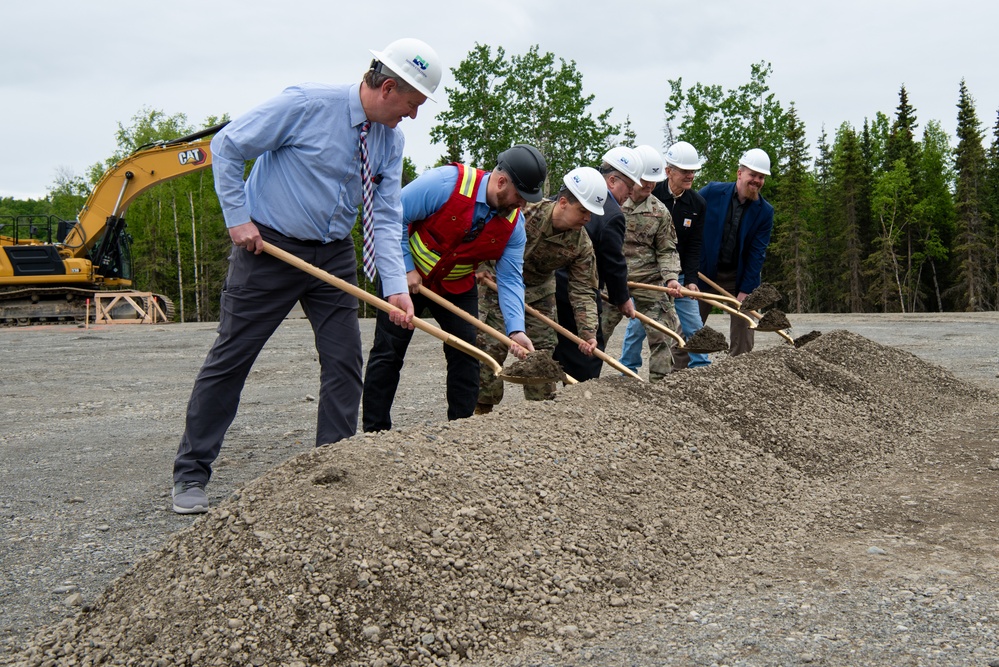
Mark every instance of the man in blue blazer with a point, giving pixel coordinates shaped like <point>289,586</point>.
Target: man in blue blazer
<point>737,226</point>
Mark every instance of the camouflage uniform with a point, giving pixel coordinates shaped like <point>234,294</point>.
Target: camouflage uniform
<point>546,250</point>
<point>650,251</point>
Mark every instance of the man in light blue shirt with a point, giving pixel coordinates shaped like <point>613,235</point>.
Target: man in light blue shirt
<point>456,217</point>
<point>302,195</point>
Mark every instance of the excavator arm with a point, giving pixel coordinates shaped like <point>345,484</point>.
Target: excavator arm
<point>102,216</point>
<point>46,277</point>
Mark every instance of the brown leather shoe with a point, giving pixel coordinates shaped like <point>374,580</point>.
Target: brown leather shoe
<point>483,408</point>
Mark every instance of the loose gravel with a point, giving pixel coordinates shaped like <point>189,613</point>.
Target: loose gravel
<point>755,512</point>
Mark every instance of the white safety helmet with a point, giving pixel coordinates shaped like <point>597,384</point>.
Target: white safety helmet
<point>653,167</point>
<point>626,161</point>
<point>683,156</point>
<point>413,61</point>
<point>589,187</point>
<point>757,160</point>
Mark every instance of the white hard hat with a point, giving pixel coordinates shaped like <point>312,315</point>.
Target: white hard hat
<point>414,62</point>
<point>589,187</point>
<point>757,160</point>
<point>627,161</point>
<point>683,156</point>
<point>653,167</point>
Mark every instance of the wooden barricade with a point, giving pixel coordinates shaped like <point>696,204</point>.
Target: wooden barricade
<point>139,307</point>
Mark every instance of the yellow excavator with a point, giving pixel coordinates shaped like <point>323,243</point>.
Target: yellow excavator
<point>50,267</point>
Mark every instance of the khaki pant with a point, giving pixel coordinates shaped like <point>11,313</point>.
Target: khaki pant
<point>741,337</point>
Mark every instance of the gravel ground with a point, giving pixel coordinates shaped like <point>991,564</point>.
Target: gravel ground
<point>893,562</point>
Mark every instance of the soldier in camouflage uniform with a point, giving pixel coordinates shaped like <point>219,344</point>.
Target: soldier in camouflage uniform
<point>650,252</point>
<point>555,239</point>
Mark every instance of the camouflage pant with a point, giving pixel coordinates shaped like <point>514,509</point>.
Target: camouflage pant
<point>660,345</point>
<point>541,335</point>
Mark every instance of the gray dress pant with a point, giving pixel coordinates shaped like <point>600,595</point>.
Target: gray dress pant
<point>259,292</point>
<point>741,337</point>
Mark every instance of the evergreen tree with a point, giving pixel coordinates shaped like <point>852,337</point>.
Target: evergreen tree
<point>901,144</point>
<point>992,189</point>
<point>848,192</point>
<point>823,259</point>
<point>794,200</point>
<point>973,253</point>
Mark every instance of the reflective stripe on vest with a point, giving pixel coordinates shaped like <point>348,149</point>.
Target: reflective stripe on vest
<point>425,259</point>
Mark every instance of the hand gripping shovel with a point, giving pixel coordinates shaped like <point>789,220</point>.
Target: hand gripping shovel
<point>574,338</point>
<point>357,292</point>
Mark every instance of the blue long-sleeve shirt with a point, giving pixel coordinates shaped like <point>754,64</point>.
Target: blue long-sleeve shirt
<point>306,181</point>
<point>428,193</point>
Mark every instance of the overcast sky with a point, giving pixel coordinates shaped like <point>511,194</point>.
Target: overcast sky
<point>71,71</point>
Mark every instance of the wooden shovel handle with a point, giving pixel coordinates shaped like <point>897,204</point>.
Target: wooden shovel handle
<point>723,291</point>
<point>474,321</point>
<point>600,354</point>
<point>482,326</point>
<point>685,292</point>
<point>645,319</point>
<point>373,300</point>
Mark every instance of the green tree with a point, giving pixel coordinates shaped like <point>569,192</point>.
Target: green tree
<point>848,187</point>
<point>884,267</point>
<point>992,190</point>
<point>723,125</point>
<point>901,144</point>
<point>67,194</point>
<point>972,252</point>
<point>933,217</point>
<point>822,256</point>
<point>792,240</point>
<point>529,98</point>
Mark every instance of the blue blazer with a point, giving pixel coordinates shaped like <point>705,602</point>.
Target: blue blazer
<point>754,235</point>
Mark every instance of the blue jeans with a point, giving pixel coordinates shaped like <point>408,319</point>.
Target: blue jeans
<point>631,348</point>
<point>688,311</point>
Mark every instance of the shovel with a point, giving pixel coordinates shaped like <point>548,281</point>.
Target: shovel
<point>721,290</point>
<point>371,299</point>
<point>700,297</point>
<point>603,356</point>
<point>491,331</point>
<point>645,319</point>
<point>689,293</point>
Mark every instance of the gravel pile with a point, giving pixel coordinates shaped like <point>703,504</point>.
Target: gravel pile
<point>592,528</point>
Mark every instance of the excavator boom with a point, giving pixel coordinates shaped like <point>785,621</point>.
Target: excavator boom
<point>48,279</point>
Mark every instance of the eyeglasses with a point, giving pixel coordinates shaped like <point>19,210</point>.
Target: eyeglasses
<point>683,172</point>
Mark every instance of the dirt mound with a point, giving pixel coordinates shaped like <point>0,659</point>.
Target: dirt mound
<point>427,545</point>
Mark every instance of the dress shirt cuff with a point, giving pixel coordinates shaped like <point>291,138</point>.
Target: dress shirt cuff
<point>236,216</point>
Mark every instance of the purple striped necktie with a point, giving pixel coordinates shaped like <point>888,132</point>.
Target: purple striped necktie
<point>367,212</point>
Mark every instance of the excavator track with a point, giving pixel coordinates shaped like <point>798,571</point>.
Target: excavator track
<point>59,305</point>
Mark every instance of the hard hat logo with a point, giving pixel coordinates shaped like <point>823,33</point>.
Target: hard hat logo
<point>589,188</point>
<point>626,161</point>
<point>414,61</point>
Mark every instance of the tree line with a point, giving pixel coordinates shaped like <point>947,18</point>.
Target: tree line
<point>881,218</point>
